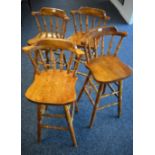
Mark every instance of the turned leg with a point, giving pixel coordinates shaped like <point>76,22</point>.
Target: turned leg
<point>120,98</point>
<point>100,90</point>
<point>81,91</point>
<point>39,123</point>
<point>70,124</point>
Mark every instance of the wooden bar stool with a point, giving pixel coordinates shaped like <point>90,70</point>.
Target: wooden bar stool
<point>51,23</point>
<point>53,84</point>
<point>85,19</point>
<point>106,70</point>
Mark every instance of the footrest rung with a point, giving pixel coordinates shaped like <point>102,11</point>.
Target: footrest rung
<point>107,105</point>
<point>54,127</point>
<point>114,93</point>
<point>54,115</point>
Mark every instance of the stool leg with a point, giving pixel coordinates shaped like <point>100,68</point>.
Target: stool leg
<point>120,98</point>
<point>81,91</point>
<point>70,124</point>
<point>96,104</point>
<point>39,123</point>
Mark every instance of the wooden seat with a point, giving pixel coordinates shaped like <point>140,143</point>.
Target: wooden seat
<point>51,23</point>
<point>54,84</point>
<point>50,86</point>
<point>106,70</point>
<point>85,19</point>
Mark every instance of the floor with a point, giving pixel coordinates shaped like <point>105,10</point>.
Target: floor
<point>110,135</point>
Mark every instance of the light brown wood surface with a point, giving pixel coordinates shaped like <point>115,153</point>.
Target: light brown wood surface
<point>52,87</point>
<point>108,69</point>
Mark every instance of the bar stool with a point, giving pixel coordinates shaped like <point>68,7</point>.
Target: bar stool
<point>106,70</point>
<point>53,84</point>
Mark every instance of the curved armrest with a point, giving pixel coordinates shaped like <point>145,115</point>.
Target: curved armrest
<point>27,49</point>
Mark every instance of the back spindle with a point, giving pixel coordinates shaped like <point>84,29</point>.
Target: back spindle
<point>40,54</point>
<point>57,27</point>
<point>80,19</point>
<point>35,65</point>
<point>61,59</point>
<point>74,22</point>
<point>102,45</point>
<point>51,25</point>
<point>38,24</point>
<point>86,23</point>
<point>53,60</point>
<point>45,25</point>
<point>118,46</point>
<point>110,45</point>
<point>70,62</point>
<point>63,29</point>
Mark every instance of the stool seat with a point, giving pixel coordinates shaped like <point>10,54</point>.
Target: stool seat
<point>108,69</point>
<point>52,87</point>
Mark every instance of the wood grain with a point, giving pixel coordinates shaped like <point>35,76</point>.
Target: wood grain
<point>108,69</point>
<point>52,87</point>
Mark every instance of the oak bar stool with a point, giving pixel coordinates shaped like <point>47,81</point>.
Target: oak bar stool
<point>53,84</point>
<point>85,19</point>
<point>106,69</point>
<point>51,23</point>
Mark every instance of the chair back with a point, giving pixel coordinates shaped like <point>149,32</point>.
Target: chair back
<point>51,20</point>
<point>86,18</point>
<point>44,55</point>
<point>106,40</point>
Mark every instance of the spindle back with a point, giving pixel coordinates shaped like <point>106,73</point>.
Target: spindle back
<point>106,40</point>
<point>43,55</point>
<point>86,18</point>
<point>52,21</point>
